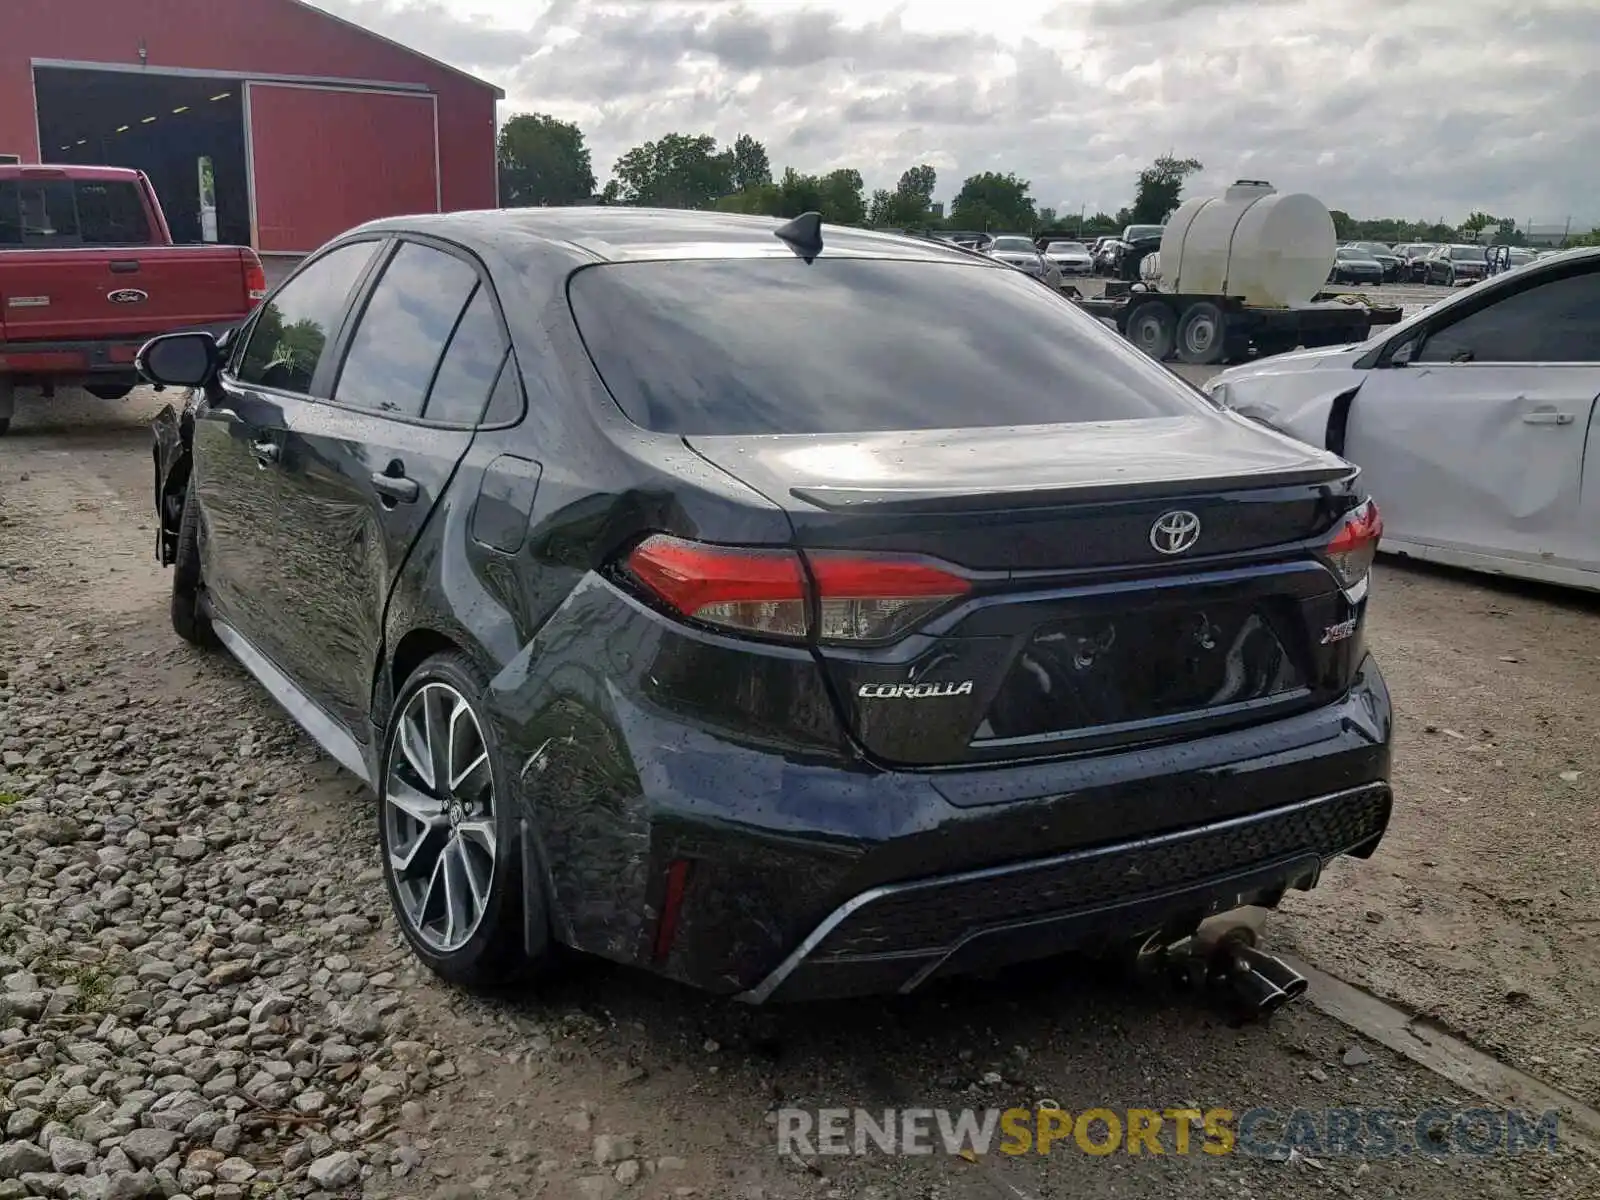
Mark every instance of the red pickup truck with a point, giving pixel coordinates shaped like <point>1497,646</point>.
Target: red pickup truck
<point>88,273</point>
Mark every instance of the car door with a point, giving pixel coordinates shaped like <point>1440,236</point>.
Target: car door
<point>1476,442</point>
<point>364,469</point>
<point>238,436</point>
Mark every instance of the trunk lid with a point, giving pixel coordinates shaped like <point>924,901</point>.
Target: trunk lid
<point>1079,632</point>
<point>119,292</point>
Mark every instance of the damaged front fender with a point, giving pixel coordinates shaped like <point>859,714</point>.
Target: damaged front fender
<point>171,436</point>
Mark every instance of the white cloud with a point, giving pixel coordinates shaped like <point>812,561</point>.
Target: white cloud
<point>1416,108</point>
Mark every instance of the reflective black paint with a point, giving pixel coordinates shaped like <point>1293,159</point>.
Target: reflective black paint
<point>636,739</point>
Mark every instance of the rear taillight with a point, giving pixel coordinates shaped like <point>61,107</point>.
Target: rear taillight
<point>1355,544</point>
<point>255,278</point>
<point>858,598</point>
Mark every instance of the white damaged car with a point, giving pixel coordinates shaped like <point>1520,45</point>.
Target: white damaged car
<point>1475,422</point>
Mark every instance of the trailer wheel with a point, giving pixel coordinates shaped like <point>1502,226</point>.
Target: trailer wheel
<point>1202,336</point>
<point>1153,328</point>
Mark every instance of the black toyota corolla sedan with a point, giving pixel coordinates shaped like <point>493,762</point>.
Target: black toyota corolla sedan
<point>793,611</point>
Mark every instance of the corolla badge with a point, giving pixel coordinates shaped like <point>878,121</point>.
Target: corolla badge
<point>913,691</point>
<point>1175,531</point>
<point>127,296</point>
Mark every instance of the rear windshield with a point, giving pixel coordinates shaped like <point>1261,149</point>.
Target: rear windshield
<point>771,345</point>
<point>47,213</point>
<point>1465,253</point>
<point>1134,232</point>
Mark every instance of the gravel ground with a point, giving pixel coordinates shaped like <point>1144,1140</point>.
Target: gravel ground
<point>202,992</point>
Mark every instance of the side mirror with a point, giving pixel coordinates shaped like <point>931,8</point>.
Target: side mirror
<point>179,359</point>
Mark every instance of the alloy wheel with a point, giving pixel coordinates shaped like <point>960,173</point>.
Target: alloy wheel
<point>439,818</point>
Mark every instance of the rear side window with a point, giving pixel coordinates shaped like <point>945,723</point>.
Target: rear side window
<point>403,331</point>
<point>471,364</point>
<point>771,346</point>
<point>288,338</point>
<point>65,212</point>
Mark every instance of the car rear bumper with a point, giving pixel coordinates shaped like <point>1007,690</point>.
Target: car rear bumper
<point>99,360</point>
<point>737,843</point>
<point>898,937</point>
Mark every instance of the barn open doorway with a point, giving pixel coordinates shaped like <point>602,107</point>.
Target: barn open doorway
<point>185,132</point>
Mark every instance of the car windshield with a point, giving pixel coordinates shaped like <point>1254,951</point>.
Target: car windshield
<point>1134,232</point>
<point>1013,244</point>
<point>776,346</point>
<point>1350,252</point>
<point>1068,247</point>
<point>1466,253</point>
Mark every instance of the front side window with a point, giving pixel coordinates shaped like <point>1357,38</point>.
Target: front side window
<point>403,331</point>
<point>1558,321</point>
<point>289,336</point>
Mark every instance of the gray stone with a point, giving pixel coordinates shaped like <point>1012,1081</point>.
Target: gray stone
<point>612,1148</point>
<point>147,1147</point>
<point>68,1155</point>
<point>336,1170</point>
<point>132,1185</point>
<point>22,1158</point>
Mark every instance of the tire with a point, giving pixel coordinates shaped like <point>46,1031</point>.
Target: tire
<point>189,620</point>
<point>1202,335</point>
<point>1153,328</point>
<point>447,834</point>
<point>107,391</point>
<point>8,402</point>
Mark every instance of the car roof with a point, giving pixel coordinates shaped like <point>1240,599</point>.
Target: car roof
<point>624,234</point>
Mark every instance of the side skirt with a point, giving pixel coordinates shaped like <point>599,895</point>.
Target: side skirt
<point>324,730</point>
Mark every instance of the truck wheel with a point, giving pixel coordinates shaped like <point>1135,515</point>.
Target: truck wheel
<point>1202,335</point>
<point>8,404</point>
<point>189,620</point>
<point>1153,328</point>
<point>107,391</point>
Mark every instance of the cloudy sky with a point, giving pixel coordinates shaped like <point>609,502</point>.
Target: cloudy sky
<point>1417,108</point>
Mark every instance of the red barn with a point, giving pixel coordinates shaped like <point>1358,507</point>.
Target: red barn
<point>263,122</point>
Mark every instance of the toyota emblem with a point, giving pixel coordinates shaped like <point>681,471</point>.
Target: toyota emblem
<point>1175,531</point>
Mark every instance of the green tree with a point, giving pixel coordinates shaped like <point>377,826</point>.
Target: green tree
<point>1344,226</point>
<point>881,208</point>
<point>763,199</point>
<point>1160,186</point>
<point>1046,219</point>
<point>678,171</point>
<point>543,161</point>
<point>842,201</point>
<point>916,188</point>
<point>751,167</point>
<point>993,201</point>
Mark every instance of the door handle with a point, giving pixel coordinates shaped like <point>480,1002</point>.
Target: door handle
<point>1547,416</point>
<point>265,453</point>
<point>395,488</point>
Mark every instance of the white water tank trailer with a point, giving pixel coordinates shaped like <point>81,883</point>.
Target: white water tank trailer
<point>1264,246</point>
<point>1237,275</point>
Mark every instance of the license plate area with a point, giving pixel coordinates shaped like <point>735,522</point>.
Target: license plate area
<point>1110,668</point>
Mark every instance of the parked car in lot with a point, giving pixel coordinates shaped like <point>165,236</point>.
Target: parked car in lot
<point>1450,265</point>
<point>1071,258</point>
<point>1354,266</point>
<point>88,273</point>
<point>690,596</point>
<point>1476,421</point>
<point>1391,262</point>
<point>1016,250</point>
<point>1414,256</point>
